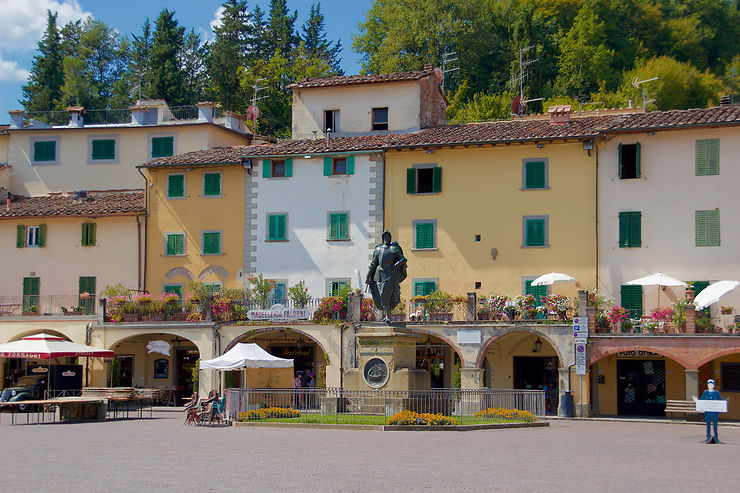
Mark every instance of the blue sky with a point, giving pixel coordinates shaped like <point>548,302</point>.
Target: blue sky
<point>22,23</point>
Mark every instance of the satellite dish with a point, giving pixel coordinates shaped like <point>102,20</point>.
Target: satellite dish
<point>252,112</point>
<point>515,105</point>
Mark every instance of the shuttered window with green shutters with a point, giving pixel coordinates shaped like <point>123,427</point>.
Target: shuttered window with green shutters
<point>30,236</point>
<point>173,288</point>
<point>631,300</point>
<point>87,294</point>
<point>175,186</point>
<point>339,226</point>
<point>424,232</point>
<point>629,160</point>
<point>535,232</point>
<point>103,149</point>
<point>538,292</point>
<point>707,157</point>
<point>175,244</point>
<point>424,180</point>
<point>211,242</point>
<point>20,238</point>
<point>211,184</point>
<point>163,146</point>
<point>31,291</point>
<point>88,234</point>
<point>423,288</point>
<point>630,229</point>
<point>707,228</point>
<point>45,151</point>
<point>339,165</point>
<point>277,227</point>
<point>535,175</point>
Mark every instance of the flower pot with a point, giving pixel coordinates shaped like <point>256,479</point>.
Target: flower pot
<point>31,314</point>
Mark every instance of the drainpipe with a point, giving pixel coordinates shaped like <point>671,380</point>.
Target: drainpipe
<point>88,341</point>
<point>138,254</point>
<point>217,352</point>
<point>142,286</point>
<point>341,358</point>
<point>596,148</point>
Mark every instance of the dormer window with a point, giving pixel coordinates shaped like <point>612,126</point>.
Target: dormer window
<point>380,118</point>
<point>331,121</point>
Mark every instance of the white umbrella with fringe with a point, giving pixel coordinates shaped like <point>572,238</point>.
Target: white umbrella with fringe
<point>552,278</point>
<point>658,279</point>
<point>712,293</point>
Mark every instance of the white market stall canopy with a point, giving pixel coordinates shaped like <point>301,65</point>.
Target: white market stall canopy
<point>46,346</point>
<point>244,355</point>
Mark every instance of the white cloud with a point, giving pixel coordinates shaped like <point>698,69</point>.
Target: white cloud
<point>23,22</point>
<point>216,22</point>
<point>11,72</point>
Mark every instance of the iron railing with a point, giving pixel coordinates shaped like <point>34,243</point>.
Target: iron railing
<point>375,407</point>
<point>35,305</point>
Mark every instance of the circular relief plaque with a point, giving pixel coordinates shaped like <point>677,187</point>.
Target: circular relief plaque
<point>376,372</point>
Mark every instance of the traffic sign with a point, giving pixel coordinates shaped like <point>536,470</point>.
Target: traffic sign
<point>580,324</point>
<point>580,369</point>
<point>581,339</point>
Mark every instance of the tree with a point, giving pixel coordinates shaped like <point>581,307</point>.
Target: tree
<point>314,39</point>
<point>167,78</point>
<point>228,53</point>
<point>44,88</point>
<point>481,107</point>
<point>140,61</point>
<point>259,45</point>
<point>281,36</point>
<point>193,64</point>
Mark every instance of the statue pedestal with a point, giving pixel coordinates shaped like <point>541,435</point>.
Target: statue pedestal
<point>386,360</point>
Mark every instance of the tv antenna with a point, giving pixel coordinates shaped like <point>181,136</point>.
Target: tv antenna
<point>638,84</point>
<point>733,71</point>
<point>253,111</point>
<point>449,65</point>
<point>520,102</point>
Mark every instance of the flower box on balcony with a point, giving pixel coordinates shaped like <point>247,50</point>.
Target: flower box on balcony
<point>440,317</point>
<point>131,317</point>
<point>157,317</point>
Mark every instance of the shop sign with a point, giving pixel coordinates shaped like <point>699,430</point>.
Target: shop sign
<point>68,373</point>
<point>638,354</point>
<point>39,369</point>
<point>162,347</point>
<point>279,312</point>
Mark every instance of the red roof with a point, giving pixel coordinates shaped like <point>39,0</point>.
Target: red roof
<point>96,203</point>
<point>347,80</point>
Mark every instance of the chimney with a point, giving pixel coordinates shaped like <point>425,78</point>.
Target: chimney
<point>235,121</point>
<point>75,116</point>
<point>139,115</point>
<point>559,113</point>
<point>205,111</point>
<point>428,67</point>
<point>16,118</point>
<point>725,100</point>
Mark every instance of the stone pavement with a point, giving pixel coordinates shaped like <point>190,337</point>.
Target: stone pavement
<point>163,455</point>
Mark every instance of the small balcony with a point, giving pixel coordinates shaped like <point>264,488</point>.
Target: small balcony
<point>48,305</point>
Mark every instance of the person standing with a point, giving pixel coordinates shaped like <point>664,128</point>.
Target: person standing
<point>711,417</point>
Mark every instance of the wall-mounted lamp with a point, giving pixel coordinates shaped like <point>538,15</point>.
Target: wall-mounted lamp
<point>540,146</point>
<point>307,156</point>
<point>494,253</point>
<point>247,163</point>
<point>588,145</point>
<point>430,151</point>
<point>537,346</point>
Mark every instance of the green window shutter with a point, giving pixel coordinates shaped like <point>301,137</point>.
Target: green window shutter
<point>700,286</point>
<point>173,288</point>
<point>631,299</point>
<point>276,227</point>
<point>424,288</point>
<point>211,184</point>
<point>211,243</point>
<point>424,235</point>
<point>104,149</point>
<point>713,157</point>
<point>635,235</point>
<point>624,229</point>
<point>707,228</point>
<point>619,157</point>
<point>85,227</point>
<point>701,157</point>
<point>176,186</point>
<point>266,168</point>
<point>174,244</point>
<point>351,164</point>
<point>637,159</point>
<point>45,151</point>
<point>701,228</point>
<point>31,290</point>
<point>411,180</point>
<point>289,167</point>
<point>534,174</point>
<point>538,292</point>
<point>20,237</point>
<point>436,179</point>
<point>327,165</point>
<point>535,233</point>
<point>87,285</point>
<point>42,235</point>
<point>162,146</point>
<point>338,227</point>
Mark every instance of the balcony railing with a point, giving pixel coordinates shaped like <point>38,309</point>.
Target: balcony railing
<point>48,305</point>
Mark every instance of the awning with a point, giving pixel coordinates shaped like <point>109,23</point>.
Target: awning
<point>47,346</point>
<point>245,355</point>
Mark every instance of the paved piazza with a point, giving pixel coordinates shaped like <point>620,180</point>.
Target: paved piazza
<point>163,455</point>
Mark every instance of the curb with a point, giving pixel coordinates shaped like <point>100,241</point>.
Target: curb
<point>329,426</point>
<point>656,421</point>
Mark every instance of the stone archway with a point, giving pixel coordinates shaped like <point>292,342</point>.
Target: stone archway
<point>435,353</point>
<point>500,335</point>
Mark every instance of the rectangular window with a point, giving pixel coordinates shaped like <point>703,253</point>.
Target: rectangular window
<point>211,242</point>
<point>279,293</point>
<point>213,287</point>
<point>176,186</point>
<point>331,121</point>
<point>339,165</point>
<point>335,285</point>
<point>44,151</point>
<point>339,226</point>
<point>277,225</point>
<point>277,168</point>
<point>424,234</point>
<point>31,290</point>
<point>630,229</point>
<point>211,184</point>
<point>423,288</point>
<point>707,157</point>
<point>380,119</point>
<point>629,160</point>
<point>535,231</point>
<point>175,244</point>
<point>534,174</point>
<point>707,228</point>
<point>103,149</point>
<point>538,292</point>
<point>631,299</point>
<point>32,236</point>
<point>87,294</point>
<point>88,234</point>
<point>729,377</point>
<point>424,179</point>
<point>173,288</point>
<point>163,146</point>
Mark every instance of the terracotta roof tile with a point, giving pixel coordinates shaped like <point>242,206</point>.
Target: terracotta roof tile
<point>97,203</point>
<point>347,80</point>
<point>721,115</point>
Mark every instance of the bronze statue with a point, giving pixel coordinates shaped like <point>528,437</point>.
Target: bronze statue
<point>387,271</point>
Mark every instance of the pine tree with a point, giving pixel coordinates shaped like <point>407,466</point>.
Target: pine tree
<point>44,89</point>
<point>281,34</point>
<point>140,62</point>
<point>259,45</point>
<point>228,53</point>
<point>193,64</point>
<point>314,39</point>
<point>167,78</point>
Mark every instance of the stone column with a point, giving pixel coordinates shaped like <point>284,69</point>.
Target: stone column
<point>692,384</point>
<point>354,307</point>
<point>582,302</point>
<point>471,378</point>
<point>472,307</point>
<point>690,312</point>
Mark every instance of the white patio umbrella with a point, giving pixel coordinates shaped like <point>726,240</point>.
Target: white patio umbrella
<point>552,278</point>
<point>712,293</point>
<point>46,346</point>
<point>658,279</point>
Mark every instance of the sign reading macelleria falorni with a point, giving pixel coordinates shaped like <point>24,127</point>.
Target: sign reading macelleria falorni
<point>279,312</point>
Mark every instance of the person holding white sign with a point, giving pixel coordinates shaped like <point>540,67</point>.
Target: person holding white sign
<point>710,417</point>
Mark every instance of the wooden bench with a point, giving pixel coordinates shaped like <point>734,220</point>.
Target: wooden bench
<point>685,407</point>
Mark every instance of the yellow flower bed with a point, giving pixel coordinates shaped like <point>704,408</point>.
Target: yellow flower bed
<point>269,413</point>
<point>420,419</point>
<point>506,414</point>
